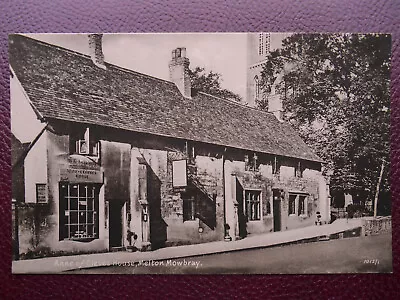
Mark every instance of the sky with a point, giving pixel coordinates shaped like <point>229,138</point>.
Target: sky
<point>224,53</point>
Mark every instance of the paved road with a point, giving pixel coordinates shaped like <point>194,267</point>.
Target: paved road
<point>366,254</point>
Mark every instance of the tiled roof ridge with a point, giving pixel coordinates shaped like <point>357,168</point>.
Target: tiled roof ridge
<point>108,64</point>
<point>52,45</point>
<point>193,140</point>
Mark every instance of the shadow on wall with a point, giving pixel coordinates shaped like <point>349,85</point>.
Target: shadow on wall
<point>205,203</point>
<point>158,227</point>
<point>33,227</point>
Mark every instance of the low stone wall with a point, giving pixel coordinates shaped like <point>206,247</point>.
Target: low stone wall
<point>372,226</point>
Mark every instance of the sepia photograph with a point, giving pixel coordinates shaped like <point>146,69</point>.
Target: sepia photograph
<point>200,153</point>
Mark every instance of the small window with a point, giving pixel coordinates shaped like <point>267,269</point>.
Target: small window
<point>253,205</point>
<point>276,166</point>
<point>189,208</point>
<point>251,162</point>
<point>178,52</point>
<point>84,142</point>
<point>292,204</point>
<point>191,153</point>
<point>302,205</point>
<point>298,170</point>
<point>257,87</point>
<point>41,193</point>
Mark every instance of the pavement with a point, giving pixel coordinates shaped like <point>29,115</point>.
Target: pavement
<point>50,265</point>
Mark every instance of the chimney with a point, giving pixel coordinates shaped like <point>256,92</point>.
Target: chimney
<point>96,49</point>
<point>179,71</point>
<point>275,104</point>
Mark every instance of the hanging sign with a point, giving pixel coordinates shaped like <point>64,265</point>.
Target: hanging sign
<point>179,173</point>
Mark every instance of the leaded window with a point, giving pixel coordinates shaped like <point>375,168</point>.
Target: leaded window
<point>189,208</point>
<point>79,210</point>
<point>253,205</point>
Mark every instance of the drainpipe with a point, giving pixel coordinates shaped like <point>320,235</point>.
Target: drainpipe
<point>227,237</point>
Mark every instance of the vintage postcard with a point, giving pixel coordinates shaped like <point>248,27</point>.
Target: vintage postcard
<point>200,153</point>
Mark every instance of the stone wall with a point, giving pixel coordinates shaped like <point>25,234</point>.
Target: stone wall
<point>373,226</point>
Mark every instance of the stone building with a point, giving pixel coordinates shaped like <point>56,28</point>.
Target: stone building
<point>123,158</point>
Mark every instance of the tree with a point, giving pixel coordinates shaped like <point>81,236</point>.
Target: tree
<point>335,91</point>
<point>210,83</point>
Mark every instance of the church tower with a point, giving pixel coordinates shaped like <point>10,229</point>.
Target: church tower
<point>258,48</point>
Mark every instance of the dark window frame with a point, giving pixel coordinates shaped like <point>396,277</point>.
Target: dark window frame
<point>190,150</point>
<point>252,203</point>
<point>298,170</point>
<point>252,163</point>
<point>84,136</point>
<point>189,207</point>
<point>297,204</point>
<point>292,204</point>
<point>79,211</point>
<point>302,205</point>
<point>276,166</point>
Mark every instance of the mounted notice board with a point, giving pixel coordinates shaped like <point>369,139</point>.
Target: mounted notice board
<point>179,173</point>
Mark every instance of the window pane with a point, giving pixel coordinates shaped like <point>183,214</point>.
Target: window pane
<point>73,217</point>
<point>90,231</point>
<point>65,222</point>
<point>302,205</point>
<point>73,231</point>
<point>82,191</point>
<point>90,192</point>
<point>73,203</point>
<point>90,217</point>
<point>188,209</point>
<point>292,204</point>
<point>82,204</point>
<point>89,203</point>
<point>73,190</point>
<point>63,204</point>
<point>82,218</point>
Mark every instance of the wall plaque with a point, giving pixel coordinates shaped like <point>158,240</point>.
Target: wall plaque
<point>80,169</point>
<point>81,175</point>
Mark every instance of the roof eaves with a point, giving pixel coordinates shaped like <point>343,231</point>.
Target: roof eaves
<point>194,140</point>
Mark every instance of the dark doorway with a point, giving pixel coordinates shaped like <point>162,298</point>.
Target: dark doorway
<point>242,219</point>
<point>115,217</point>
<point>277,210</point>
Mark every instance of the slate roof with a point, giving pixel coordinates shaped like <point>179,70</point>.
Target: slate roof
<point>66,85</point>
